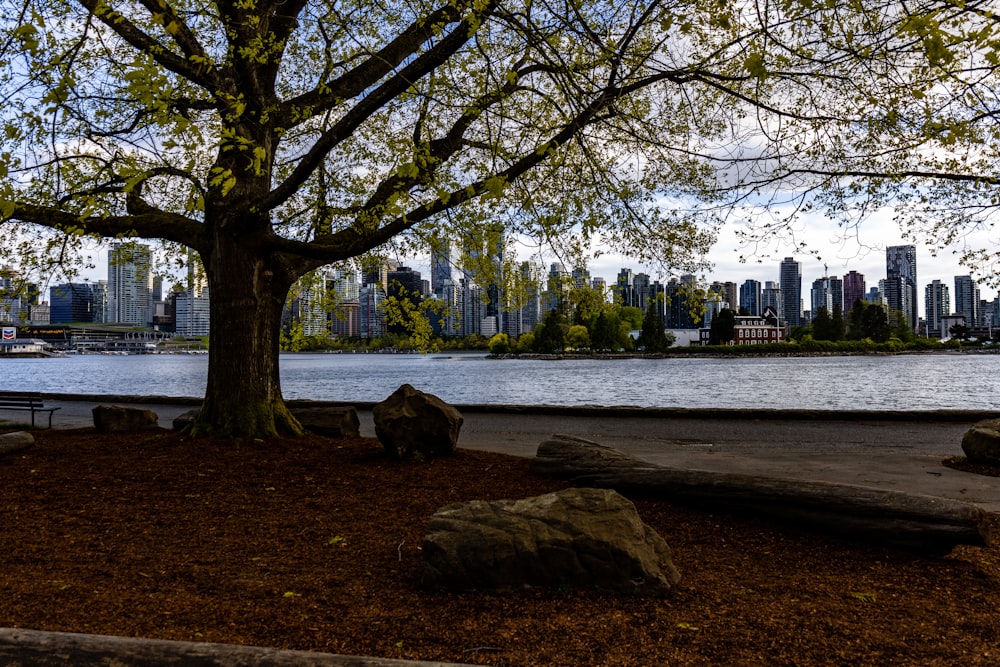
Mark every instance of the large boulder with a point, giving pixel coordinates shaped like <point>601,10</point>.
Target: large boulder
<point>18,440</point>
<point>116,418</point>
<point>413,424</point>
<point>981,443</point>
<point>574,537</point>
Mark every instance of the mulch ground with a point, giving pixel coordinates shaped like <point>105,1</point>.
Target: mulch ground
<point>314,544</point>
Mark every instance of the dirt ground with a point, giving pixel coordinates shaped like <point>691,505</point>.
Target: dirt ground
<point>314,544</point>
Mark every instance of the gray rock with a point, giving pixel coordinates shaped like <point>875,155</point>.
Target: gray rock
<point>12,442</point>
<point>333,422</point>
<point>412,424</point>
<point>116,418</point>
<point>575,537</point>
<point>981,443</point>
<point>185,419</point>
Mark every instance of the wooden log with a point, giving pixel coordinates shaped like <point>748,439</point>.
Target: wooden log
<point>924,524</point>
<point>63,649</point>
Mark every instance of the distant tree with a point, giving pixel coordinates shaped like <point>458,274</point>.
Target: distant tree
<point>631,316</point>
<point>821,324</point>
<point>499,344</point>
<point>577,337</point>
<point>828,325</point>
<point>838,328</point>
<point>799,332</point>
<point>854,320</point>
<point>875,323</point>
<point>900,327</point>
<point>550,336</point>
<point>723,327</point>
<point>587,305</point>
<point>959,331</point>
<point>606,334</point>
<point>653,337</point>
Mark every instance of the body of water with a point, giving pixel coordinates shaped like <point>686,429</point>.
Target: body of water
<point>907,382</point>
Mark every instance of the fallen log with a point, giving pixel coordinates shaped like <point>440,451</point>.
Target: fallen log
<point>64,649</point>
<point>924,524</point>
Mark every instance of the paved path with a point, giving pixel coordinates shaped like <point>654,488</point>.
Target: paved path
<point>866,450</point>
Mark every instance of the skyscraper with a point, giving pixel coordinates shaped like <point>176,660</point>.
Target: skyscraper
<point>440,266</point>
<point>901,281</point>
<point>71,302</point>
<point>771,296</point>
<point>854,289</point>
<point>130,284</point>
<point>625,288</point>
<point>821,296</point>
<point>750,297</point>
<point>937,304</point>
<point>790,279</point>
<point>967,299</point>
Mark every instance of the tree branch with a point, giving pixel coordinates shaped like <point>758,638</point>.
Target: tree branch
<point>402,81</point>
<point>326,95</point>
<point>151,224</point>
<point>198,73</point>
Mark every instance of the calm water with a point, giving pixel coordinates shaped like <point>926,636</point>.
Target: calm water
<point>918,382</point>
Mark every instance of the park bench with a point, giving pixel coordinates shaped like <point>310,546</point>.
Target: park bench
<point>25,401</point>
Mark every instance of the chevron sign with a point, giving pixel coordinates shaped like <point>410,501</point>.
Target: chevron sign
<point>9,333</point>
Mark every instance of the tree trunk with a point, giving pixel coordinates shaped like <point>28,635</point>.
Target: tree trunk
<point>243,392</point>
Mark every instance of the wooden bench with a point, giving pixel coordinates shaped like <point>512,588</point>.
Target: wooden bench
<point>25,401</point>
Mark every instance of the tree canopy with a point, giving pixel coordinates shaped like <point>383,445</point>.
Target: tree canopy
<point>266,138</point>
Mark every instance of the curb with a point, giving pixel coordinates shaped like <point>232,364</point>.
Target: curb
<point>611,412</point>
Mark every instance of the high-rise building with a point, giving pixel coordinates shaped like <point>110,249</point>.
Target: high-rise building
<point>901,281</point>
<point>679,309</point>
<point>854,289</point>
<point>750,297</point>
<point>967,300</point>
<point>836,287</point>
<point>130,284</point>
<point>404,281</point>
<point>790,279</point>
<point>598,284</point>
<point>378,274</point>
<point>937,305</point>
<point>192,307</point>
<point>770,297</point>
<point>440,266</point>
<point>192,313</point>
<point>640,284</point>
<point>99,297</point>
<point>556,288</point>
<point>71,302</point>
<point>821,296</point>
<point>371,310</point>
<point>625,292</point>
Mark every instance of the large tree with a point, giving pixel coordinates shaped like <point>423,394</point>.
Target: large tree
<point>270,137</point>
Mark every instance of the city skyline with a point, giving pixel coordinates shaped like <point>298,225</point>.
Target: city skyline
<point>862,252</point>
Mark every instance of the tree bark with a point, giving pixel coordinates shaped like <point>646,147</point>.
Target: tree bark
<point>923,524</point>
<point>247,290</point>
